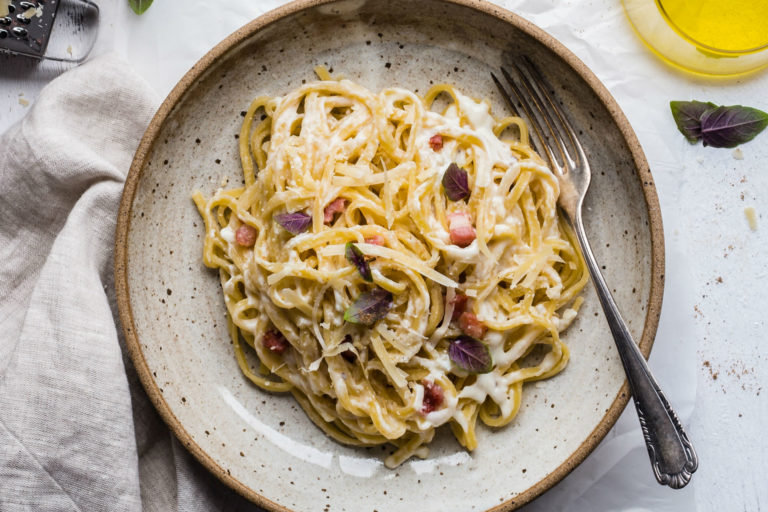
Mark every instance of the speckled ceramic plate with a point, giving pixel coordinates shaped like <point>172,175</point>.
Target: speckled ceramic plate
<point>172,310</point>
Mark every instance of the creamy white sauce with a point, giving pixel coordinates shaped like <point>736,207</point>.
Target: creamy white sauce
<point>359,467</point>
<point>287,444</point>
<point>469,253</point>
<point>423,467</point>
<point>443,414</point>
<point>228,234</point>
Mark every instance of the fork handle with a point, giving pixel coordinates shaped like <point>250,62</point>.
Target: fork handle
<point>672,455</point>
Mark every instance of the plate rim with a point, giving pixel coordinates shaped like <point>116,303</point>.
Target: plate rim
<point>146,144</point>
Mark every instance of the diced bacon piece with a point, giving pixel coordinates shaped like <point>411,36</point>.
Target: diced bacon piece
<point>274,341</point>
<point>433,397</point>
<point>471,326</point>
<point>436,142</point>
<point>338,205</point>
<point>245,235</point>
<point>461,230</point>
<point>459,302</point>
<point>375,240</point>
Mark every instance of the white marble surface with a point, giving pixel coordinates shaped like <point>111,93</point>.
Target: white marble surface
<point>710,355</point>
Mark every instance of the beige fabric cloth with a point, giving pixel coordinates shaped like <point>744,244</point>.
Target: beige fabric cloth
<point>77,432</point>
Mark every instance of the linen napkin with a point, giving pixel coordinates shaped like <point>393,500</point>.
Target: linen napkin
<point>77,432</point>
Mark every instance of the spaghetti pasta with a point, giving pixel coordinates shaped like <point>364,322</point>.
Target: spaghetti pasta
<point>378,240</point>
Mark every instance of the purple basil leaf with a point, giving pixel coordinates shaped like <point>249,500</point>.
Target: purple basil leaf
<point>356,257</point>
<point>470,354</point>
<point>456,183</point>
<point>688,116</point>
<point>295,223</point>
<point>369,307</point>
<point>727,127</point>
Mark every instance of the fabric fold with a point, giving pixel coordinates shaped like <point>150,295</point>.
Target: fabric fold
<point>65,401</point>
<point>77,431</point>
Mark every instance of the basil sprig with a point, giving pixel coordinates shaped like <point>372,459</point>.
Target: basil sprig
<point>718,126</point>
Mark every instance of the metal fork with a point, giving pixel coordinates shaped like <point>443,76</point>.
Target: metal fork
<point>672,455</point>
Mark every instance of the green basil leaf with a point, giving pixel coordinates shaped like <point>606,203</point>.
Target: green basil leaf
<point>139,6</point>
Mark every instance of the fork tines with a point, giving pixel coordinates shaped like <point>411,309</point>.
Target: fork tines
<point>535,103</point>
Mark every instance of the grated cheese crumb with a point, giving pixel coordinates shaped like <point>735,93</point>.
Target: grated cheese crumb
<point>751,215</point>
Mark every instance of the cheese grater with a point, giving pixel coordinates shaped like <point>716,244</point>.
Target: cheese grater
<point>60,30</point>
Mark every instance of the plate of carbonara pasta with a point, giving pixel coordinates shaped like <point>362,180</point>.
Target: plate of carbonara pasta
<point>391,265</point>
<point>346,279</point>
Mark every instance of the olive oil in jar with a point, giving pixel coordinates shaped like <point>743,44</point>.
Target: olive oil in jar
<point>722,26</point>
<point>723,38</point>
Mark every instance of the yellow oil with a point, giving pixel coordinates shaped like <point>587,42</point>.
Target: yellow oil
<point>728,26</point>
